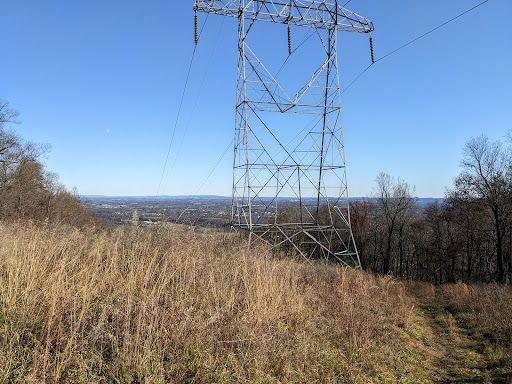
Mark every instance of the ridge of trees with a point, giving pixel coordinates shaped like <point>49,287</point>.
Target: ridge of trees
<point>27,190</point>
<point>467,237</point>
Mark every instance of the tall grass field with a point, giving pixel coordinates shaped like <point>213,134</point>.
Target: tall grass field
<point>180,306</point>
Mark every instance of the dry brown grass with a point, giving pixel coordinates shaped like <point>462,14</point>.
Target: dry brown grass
<point>486,310</point>
<point>152,307</point>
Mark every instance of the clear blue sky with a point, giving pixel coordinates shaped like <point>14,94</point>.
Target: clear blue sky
<point>101,82</point>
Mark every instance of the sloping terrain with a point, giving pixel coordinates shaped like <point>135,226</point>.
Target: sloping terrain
<point>161,306</point>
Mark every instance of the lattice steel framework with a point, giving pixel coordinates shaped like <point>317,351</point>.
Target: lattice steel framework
<point>291,195</point>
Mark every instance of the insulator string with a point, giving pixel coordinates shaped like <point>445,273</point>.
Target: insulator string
<point>196,35</point>
<point>371,49</point>
<point>289,41</point>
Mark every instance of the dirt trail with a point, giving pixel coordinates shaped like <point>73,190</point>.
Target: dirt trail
<point>457,356</point>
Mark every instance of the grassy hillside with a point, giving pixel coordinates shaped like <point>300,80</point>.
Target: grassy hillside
<point>82,306</point>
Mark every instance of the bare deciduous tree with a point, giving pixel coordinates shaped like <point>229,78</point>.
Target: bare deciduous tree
<point>395,202</point>
<point>486,176</point>
<point>7,114</point>
<point>26,189</point>
<point>8,140</point>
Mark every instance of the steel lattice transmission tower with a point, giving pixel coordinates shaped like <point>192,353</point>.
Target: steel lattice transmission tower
<point>291,195</point>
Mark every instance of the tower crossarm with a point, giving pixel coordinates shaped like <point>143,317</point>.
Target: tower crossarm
<point>325,14</point>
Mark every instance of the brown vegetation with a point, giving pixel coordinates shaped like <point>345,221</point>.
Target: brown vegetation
<point>27,190</point>
<point>486,311</point>
<point>83,306</point>
<point>178,306</point>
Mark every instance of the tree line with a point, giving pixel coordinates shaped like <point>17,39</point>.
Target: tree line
<point>465,237</point>
<point>27,190</point>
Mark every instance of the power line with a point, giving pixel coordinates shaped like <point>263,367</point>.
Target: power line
<point>179,109</point>
<point>195,102</point>
<point>357,78</point>
<point>205,179</point>
<point>432,30</point>
<point>292,52</point>
<point>411,42</point>
<point>215,165</point>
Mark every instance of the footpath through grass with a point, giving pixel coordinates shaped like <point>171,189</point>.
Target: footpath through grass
<point>466,332</point>
<point>168,306</point>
